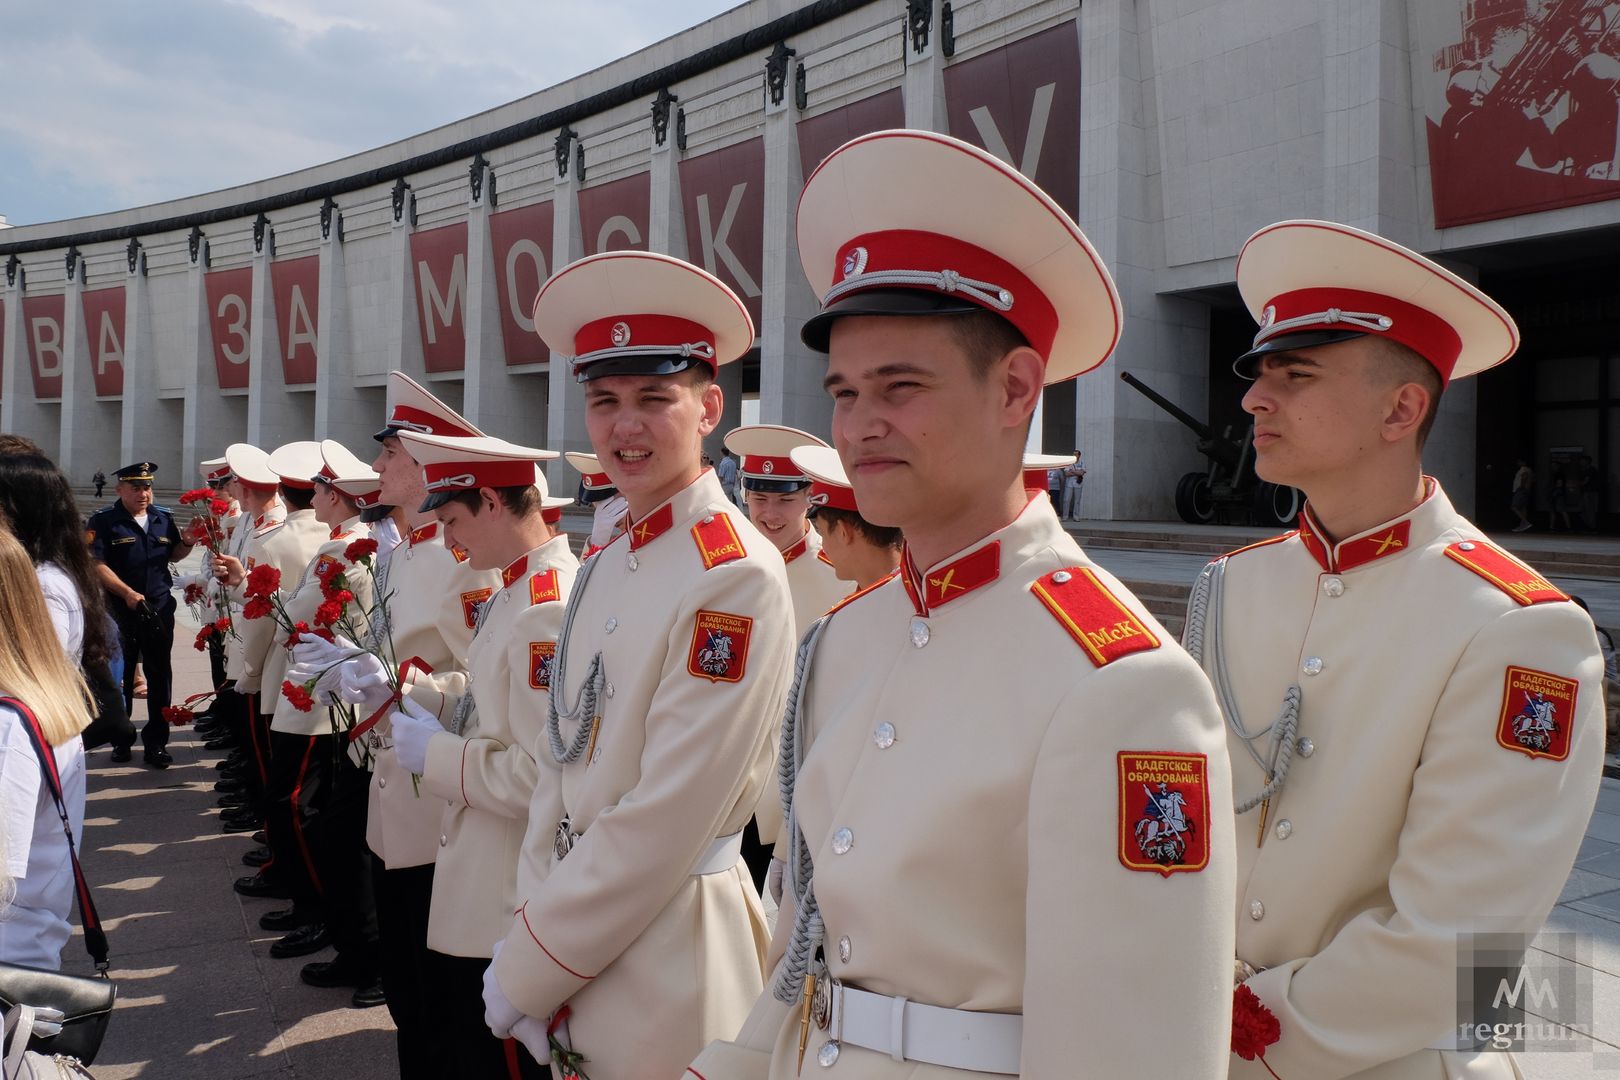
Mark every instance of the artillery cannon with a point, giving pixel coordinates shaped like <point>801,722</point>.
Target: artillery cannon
<point>1229,489</point>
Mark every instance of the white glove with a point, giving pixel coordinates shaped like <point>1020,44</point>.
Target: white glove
<point>531,1032</point>
<point>365,682</point>
<point>413,726</point>
<point>773,880</point>
<point>499,1013</point>
<point>606,522</point>
<point>315,654</point>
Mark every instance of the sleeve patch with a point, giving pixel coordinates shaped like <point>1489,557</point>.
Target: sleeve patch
<point>719,646</point>
<point>541,656</point>
<point>1505,572</point>
<point>717,541</point>
<point>1538,713</point>
<point>327,565</point>
<point>544,588</point>
<point>471,602</point>
<point>1103,626</point>
<point>1163,811</point>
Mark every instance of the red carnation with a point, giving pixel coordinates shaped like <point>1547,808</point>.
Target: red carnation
<point>360,550</point>
<point>299,628</point>
<point>299,695</point>
<point>178,715</point>
<point>324,634</point>
<point>194,593</point>
<point>328,613</point>
<point>196,533</point>
<point>262,580</point>
<point>342,596</point>
<point>223,624</point>
<point>1254,1027</point>
<point>257,608</point>
<point>201,644</point>
<point>219,507</point>
<point>197,495</point>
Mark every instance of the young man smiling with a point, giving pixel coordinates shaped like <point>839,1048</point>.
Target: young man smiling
<point>985,876</point>
<point>1414,715</point>
<point>634,907</point>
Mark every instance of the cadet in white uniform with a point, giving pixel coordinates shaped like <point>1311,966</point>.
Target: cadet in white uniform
<point>861,553</point>
<point>983,877</point>
<point>635,909</point>
<point>1373,667</point>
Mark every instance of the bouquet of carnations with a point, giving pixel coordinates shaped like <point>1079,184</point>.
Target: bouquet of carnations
<point>205,529</point>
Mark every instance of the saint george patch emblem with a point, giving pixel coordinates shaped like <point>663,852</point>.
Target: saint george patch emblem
<point>1538,711</point>
<point>471,602</point>
<point>719,646</point>
<point>541,654</point>
<point>1163,811</point>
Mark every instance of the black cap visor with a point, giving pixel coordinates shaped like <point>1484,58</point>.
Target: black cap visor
<point>775,487</point>
<point>1247,366</point>
<point>817,332</point>
<point>593,496</point>
<point>372,514</point>
<point>436,499</point>
<point>650,364</point>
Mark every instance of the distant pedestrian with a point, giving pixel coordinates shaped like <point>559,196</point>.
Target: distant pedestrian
<point>1073,476</point>
<point>1524,482</point>
<point>726,473</point>
<point>100,480</point>
<point>1590,481</point>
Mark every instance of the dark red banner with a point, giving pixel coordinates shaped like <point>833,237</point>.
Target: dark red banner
<point>1523,106</point>
<point>230,317</point>
<point>296,285</point>
<point>439,271</point>
<point>1022,103</point>
<point>821,135</point>
<point>613,216</point>
<point>723,194</point>
<point>42,328</point>
<point>521,240</point>
<point>104,334</point>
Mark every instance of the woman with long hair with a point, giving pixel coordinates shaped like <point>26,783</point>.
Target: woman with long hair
<point>36,499</point>
<point>35,670</point>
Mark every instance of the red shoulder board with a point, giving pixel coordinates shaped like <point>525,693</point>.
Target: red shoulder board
<point>717,541</point>
<point>1262,543</point>
<point>1105,628</point>
<point>1505,572</point>
<point>544,587</point>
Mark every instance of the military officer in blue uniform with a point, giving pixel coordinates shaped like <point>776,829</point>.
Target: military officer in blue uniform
<point>135,543</point>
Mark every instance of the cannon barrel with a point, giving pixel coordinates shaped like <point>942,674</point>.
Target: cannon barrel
<point>1198,426</point>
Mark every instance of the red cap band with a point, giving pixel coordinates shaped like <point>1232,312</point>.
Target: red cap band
<point>833,496</point>
<point>595,480</point>
<point>472,475</point>
<point>641,333</point>
<point>298,483</point>
<point>416,420</point>
<point>761,467</point>
<point>1419,329</point>
<point>221,473</point>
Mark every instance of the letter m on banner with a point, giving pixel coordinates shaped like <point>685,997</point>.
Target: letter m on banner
<point>439,272</point>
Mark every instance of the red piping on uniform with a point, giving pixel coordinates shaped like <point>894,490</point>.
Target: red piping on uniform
<point>514,1071</point>
<point>253,738</point>
<point>464,744</point>
<point>523,913</point>
<point>298,827</point>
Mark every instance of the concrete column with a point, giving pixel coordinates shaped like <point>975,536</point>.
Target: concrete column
<point>666,218</point>
<point>137,435</point>
<point>924,85</point>
<point>212,418</point>
<point>271,420</point>
<point>499,402</point>
<point>78,390</point>
<point>565,404</point>
<point>399,315</point>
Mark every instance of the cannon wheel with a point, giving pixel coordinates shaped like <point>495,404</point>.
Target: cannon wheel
<point>1193,500</point>
<point>1276,504</point>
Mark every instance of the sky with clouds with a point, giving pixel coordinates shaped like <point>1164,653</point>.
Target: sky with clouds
<point>119,103</point>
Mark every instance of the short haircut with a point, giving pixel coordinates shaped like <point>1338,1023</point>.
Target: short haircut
<point>882,536</point>
<point>1397,364</point>
<point>298,498</point>
<point>985,337</point>
<point>520,501</point>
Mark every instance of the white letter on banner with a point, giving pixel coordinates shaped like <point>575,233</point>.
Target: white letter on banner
<point>1040,114</point>
<point>714,240</point>
<point>521,307</point>
<point>620,224</point>
<point>51,343</point>
<point>108,350</point>
<point>300,327</point>
<point>443,305</point>
<point>238,326</point>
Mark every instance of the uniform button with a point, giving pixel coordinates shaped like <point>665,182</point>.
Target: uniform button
<point>827,1056</point>
<point>611,625</point>
<point>1257,910</point>
<point>1333,586</point>
<point>1465,546</point>
<point>443,840</point>
<point>1313,665</point>
<point>1305,747</point>
<point>919,631</point>
<point>382,781</point>
<point>709,520</point>
<point>842,841</point>
<point>884,735</point>
<point>609,689</point>
<point>845,947</point>
<point>632,562</point>
<point>1285,829</point>
<point>1062,577</point>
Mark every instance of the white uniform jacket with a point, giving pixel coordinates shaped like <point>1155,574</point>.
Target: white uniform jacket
<point>288,546</point>
<point>302,605</point>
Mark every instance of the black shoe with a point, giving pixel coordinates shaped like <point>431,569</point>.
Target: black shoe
<point>232,802</point>
<point>232,763</point>
<point>229,786</point>
<point>231,822</point>
<point>301,942</point>
<point>260,838</point>
<point>258,885</point>
<point>223,742</point>
<point>121,754</point>
<point>335,973</point>
<point>258,857</point>
<point>210,731</point>
<point>285,920</point>
<point>159,758</point>
<point>369,997</point>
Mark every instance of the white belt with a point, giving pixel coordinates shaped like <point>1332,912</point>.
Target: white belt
<point>910,1031</point>
<point>720,856</point>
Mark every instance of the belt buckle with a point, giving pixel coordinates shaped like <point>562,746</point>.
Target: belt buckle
<point>821,1002</point>
<point>564,841</point>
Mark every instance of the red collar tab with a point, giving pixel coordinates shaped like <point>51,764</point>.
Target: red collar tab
<point>424,532</point>
<point>472,475</point>
<point>428,423</point>
<point>764,467</point>
<point>651,527</point>
<point>797,549</point>
<point>1381,543</point>
<point>1419,329</point>
<point>931,262</point>
<point>514,571</point>
<point>952,580</point>
<point>338,532</point>
<point>833,496</point>
<point>641,335</point>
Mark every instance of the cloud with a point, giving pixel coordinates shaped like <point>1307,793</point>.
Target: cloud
<point>115,105</point>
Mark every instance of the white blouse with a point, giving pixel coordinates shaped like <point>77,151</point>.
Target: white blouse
<point>66,608</point>
<point>35,927</point>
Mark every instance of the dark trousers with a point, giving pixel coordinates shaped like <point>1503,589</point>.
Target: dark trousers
<point>756,855</point>
<point>403,898</point>
<point>336,832</point>
<point>148,640</point>
<point>470,1049</point>
<point>216,658</point>
<point>300,779</point>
